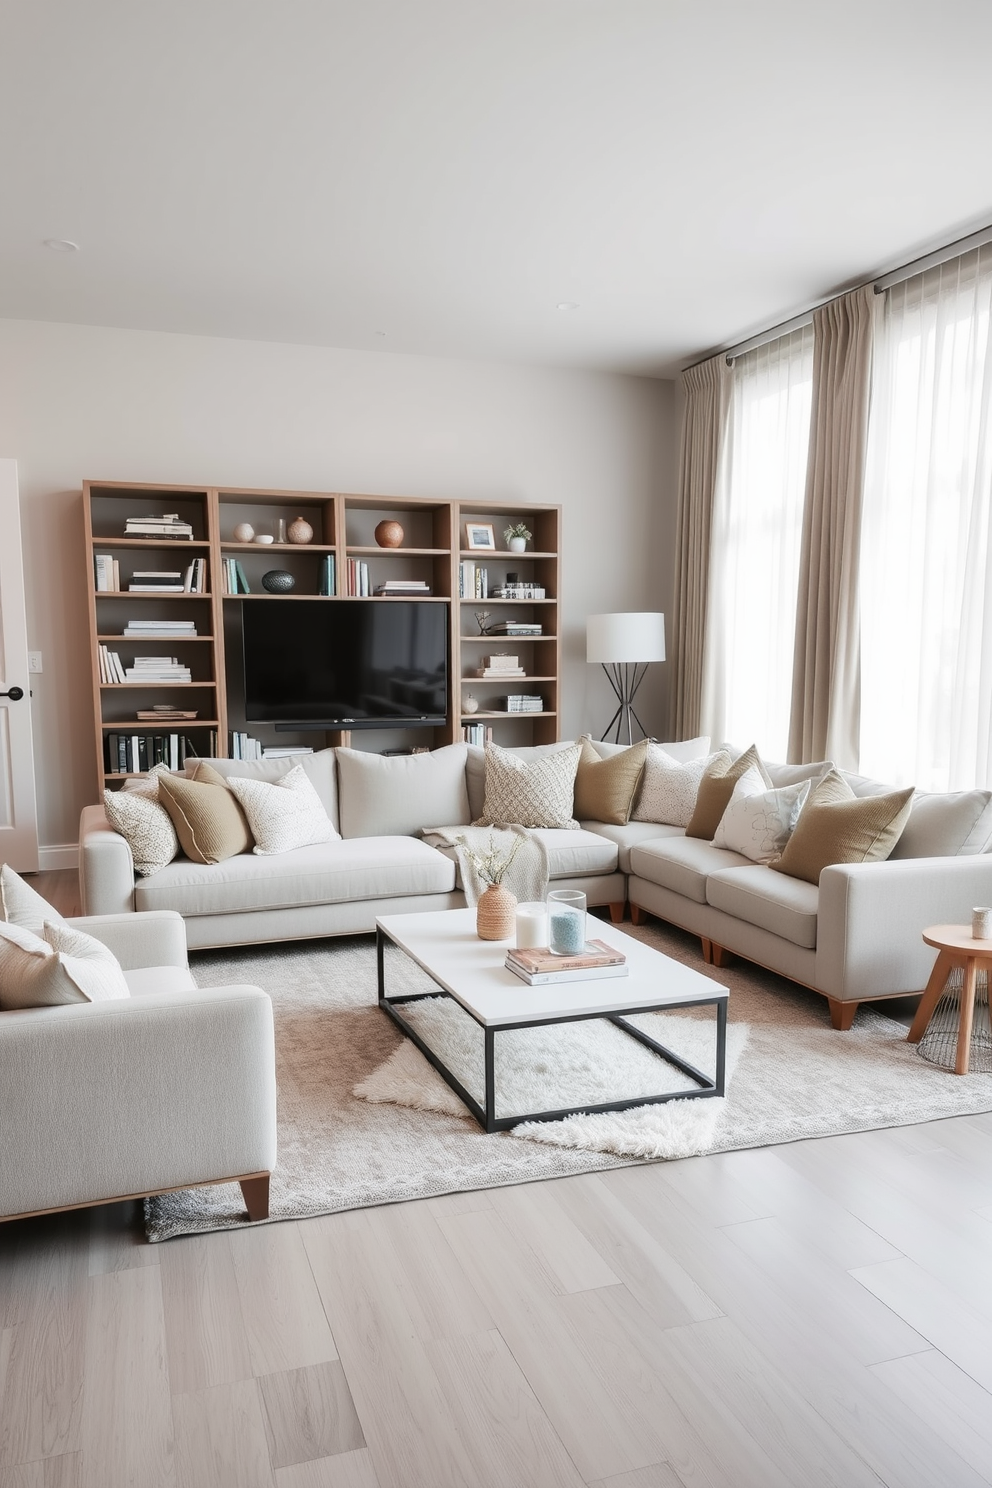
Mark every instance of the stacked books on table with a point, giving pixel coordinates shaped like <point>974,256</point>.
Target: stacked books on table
<point>158,630</point>
<point>521,702</point>
<point>168,525</point>
<point>397,587</point>
<point>519,628</point>
<point>501,666</point>
<point>539,967</point>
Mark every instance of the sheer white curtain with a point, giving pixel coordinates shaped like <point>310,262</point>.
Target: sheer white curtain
<point>926,602</point>
<point>755,547</point>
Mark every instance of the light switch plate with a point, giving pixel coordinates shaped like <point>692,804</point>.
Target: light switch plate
<point>34,661</point>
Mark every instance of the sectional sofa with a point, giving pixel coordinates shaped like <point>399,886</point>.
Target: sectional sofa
<point>854,937</point>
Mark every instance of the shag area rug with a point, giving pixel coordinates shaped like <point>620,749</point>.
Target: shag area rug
<point>406,1135</point>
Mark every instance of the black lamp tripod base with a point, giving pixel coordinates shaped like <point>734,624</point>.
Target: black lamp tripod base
<point>625,678</point>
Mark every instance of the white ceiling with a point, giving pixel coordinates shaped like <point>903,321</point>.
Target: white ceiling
<point>446,172</point>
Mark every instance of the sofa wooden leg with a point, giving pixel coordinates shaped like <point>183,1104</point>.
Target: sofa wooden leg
<point>638,916</point>
<point>617,912</point>
<point>707,950</point>
<point>721,956</point>
<point>256,1196</point>
<point>842,1014</point>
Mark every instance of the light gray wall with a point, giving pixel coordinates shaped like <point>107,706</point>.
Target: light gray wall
<point>80,402</point>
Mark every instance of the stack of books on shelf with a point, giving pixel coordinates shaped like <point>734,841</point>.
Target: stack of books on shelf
<point>397,587</point>
<point>477,733</point>
<point>519,628</point>
<point>108,573</point>
<point>152,669</point>
<point>110,665</point>
<point>157,581</point>
<point>519,591</point>
<point>234,577</point>
<point>158,630</point>
<point>501,666</point>
<point>132,753</point>
<point>168,525</point>
<point>521,702</point>
<point>165,713</point>
<point>195,577</point>
<point>540,967</point>
<point>327,580</point>
<point>473,581</point>
<point>244,747</point>
<point>358,578</point>
<point>285,751</point>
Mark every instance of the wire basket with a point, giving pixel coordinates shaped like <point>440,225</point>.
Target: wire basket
<point>939,1044</point>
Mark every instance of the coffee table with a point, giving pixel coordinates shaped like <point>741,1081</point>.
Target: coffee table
<point>471,971</point>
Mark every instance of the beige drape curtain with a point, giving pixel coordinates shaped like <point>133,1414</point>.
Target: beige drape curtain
<point>706,389</point>
<point>826,678</point>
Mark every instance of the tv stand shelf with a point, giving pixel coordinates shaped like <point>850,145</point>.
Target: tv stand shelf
<point>433,547</point>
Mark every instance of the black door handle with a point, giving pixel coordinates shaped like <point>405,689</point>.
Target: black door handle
<point>15,694</point>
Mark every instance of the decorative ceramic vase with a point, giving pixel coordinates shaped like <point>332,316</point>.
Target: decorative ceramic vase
<point>244,532</point>
<point>518,545</point>
<point>389,534</point>
<point>470,705</point>
<point>277,581</point>
<point>300,531</point>
<point>495,915</point>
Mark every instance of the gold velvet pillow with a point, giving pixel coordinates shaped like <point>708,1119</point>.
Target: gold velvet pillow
<point>605,788</point>
<point>208,818</point>
<point>836,826</point>
<point>716,788</point>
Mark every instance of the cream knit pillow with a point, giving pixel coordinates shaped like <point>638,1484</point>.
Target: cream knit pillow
<point>668,788</point>
<point>59,967</point>
<point>146,825</point>
<point>530,793</point>
<point>22,905</point>
<point>283,814</point>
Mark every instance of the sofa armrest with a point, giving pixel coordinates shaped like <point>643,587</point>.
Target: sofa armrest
<point>151,937</point>
<point>101,1100</point>
<point>871,917</point>
<point>106,867</point>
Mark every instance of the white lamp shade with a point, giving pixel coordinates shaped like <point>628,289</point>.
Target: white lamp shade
<point>634,636</point>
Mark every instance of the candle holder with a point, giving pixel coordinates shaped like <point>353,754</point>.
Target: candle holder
<point>566,922</point>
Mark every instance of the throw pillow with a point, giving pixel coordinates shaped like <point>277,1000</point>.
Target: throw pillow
<point>951,825</point>
<point>668,788</point>
<point>682,750</point>
<point>605,788</point>
<point>395,795</point>
<point>835,826</point>
<point>530,793</point>
<point>22,905</point>
<point>716,788</point>
<point>207,816</point>
<point>283,814</point>
<point>60,967</point>
<point>146,784</point>
<point>145,825</point>
<point>758,823</point>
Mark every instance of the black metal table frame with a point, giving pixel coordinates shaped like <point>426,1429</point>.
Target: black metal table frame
<point>486,1115</point>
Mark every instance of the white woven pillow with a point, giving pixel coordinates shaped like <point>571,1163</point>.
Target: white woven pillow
<point>60,967</point>
<point>759,822</point>
<point>22,905</point>
<point>530,793</point>
<point>668,788</point>
<point>146,784</point>
<point>147,826</point>
<point>283,814</point>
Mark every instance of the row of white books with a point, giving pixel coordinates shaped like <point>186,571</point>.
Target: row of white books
<point>522,702</point>
<point>169,525</point>
<point>107,573</point>
<point>473,580</point>
<point>159,629</point>
<point>150,669</point>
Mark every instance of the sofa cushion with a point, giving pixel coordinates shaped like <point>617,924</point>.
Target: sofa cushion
<point>781,775</point>
<point>60,967</point>
<point>320,767</point>
<point>605,788</point>
<point>629,835</point>
<point>327,873</point>
<point>957,824</point>
<point>758,822</point>
<point>716,788</point>
<point>530,792</point>
<point>832,829</point>
<point>475,768</point>
<point>669,788</point>
<point>22,905</point>
<point>145,825</point>
<point>206,814</point>
<point>146,979</point>
<point>783,906</point>
<point>685,749</point>
<point>571,854</point>
<point>399,794</point>
<point>682,864</point>
<point>283,814</point>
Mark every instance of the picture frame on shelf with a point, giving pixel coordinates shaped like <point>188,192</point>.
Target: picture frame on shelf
<point>480,535</point>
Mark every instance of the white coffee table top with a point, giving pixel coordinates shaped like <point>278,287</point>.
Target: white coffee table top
<point>445,944</point>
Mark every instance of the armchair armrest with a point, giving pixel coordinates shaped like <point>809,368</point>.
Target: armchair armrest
<point>871,917</point>
<point>106,867</point>
<point>102,1100</point>
<point>151,937</point>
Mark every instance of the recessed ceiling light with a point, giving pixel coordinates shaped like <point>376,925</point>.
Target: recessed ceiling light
<point>61,245</point>
<point>567,305</point>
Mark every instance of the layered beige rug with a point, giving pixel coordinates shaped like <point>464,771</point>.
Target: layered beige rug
<point>364,1119</point>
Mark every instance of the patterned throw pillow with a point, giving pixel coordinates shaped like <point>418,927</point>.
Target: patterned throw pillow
<point>283,814</point>
<point>758,822</point>
<point>146,826</point>
<point>146,784</point>
<point>530,793</point>
<point>60,967</point>
<point>21,905</point>
<point>668,788</point>
<point>716,788</point>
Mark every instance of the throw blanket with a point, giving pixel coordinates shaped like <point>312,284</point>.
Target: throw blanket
<point>527,875</point>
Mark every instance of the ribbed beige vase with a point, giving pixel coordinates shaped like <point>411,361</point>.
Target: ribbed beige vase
<point>495,914</point>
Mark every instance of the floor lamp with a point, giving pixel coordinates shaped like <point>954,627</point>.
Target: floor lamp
<point>625,645</point>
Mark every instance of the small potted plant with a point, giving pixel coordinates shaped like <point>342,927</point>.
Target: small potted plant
<point>516,537</point>
<point>494,916</point>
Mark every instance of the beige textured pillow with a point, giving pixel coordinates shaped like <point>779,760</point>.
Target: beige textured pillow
<point>208,818</point>
<point>716,788</point>
<point>283,814</point>
<point>146,825</point>
<point>669,788</point>
<point>60,967</point>
<point>22,905</point>
<point>835,826</point>
<point>530,793</point>
<point>605,788</point>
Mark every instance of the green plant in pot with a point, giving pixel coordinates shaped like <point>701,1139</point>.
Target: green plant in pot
<point>516,537</point>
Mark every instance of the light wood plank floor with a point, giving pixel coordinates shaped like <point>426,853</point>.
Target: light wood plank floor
<point>819,1313</point>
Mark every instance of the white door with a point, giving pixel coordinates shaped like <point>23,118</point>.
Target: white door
<point>18,814</point>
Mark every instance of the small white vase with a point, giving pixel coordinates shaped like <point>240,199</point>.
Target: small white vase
<point>518,545</point>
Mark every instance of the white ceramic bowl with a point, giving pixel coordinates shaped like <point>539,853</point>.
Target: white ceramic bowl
<point>264,537</point>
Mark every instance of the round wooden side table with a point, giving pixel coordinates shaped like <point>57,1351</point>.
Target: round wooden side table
<point>956,949</point>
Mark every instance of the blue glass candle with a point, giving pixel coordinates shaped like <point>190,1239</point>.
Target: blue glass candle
<point>566,922</point>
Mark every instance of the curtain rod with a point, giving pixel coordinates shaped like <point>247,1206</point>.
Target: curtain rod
<point>880,285</point>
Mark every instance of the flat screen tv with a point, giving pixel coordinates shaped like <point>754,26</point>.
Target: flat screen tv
<point>355,664</point>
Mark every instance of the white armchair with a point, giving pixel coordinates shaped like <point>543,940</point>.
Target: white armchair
<point>168,1089</point>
